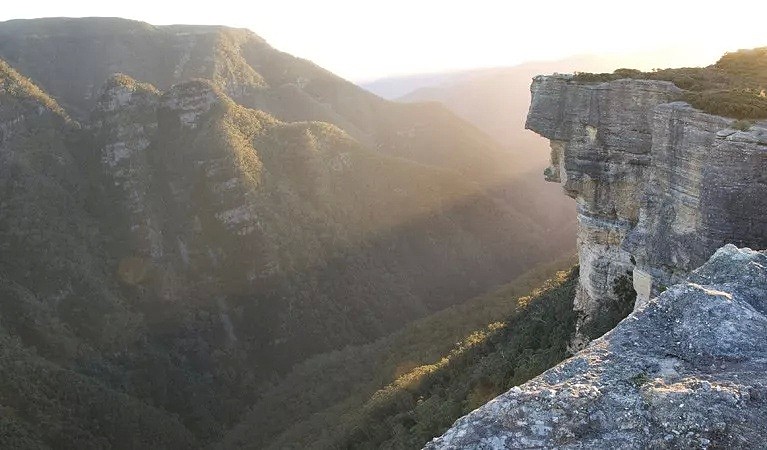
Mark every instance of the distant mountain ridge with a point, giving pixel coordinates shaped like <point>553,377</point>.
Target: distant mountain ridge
<point>72,58</point>
<point>496,99</point>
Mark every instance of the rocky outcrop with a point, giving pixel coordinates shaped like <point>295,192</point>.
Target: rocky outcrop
<point>706,186</point>
<point>125,122</point>
<point>189,101</point>
<point>685,370</point>
<point>659,185</point>
<point>185,190</point>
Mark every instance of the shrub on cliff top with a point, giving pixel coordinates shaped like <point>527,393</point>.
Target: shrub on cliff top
<point>742,125</point>
<point>736,103</point>
<point>748,65</point>
<point>733,87</point>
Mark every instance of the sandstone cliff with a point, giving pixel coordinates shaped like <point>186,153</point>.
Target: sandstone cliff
<point>686,370</point>
<point>659,185</point>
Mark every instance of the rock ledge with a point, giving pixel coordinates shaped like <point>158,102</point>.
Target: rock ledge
<point>686,370</point>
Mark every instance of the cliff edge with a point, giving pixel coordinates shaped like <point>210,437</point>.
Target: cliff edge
<point>661,189</point>
<point>659,185</point>
<point>685,370</point>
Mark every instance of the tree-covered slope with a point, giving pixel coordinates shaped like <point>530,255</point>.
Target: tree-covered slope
<point>52,271</point>
<point>176,238</point>
<point>58,303</point>
<point>184,251</point>
<point>44,405</point>
<point>404,389</point>
<point>257,211</point>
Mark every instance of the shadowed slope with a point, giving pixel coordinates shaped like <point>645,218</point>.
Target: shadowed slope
<point>184,250</point>
<point>56,299</point>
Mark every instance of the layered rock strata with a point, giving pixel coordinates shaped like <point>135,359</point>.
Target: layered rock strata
<point>659,185</point>
<point>685,370</point>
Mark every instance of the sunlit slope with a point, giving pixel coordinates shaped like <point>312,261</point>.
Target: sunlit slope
<point>184,250</point>
<point>338,233</point>
<point>72,58</point>
<point>400,391</point>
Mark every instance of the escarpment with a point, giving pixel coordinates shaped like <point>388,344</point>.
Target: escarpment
<point>663,191</point>
<point>659,185</point>
<point>685,370</point>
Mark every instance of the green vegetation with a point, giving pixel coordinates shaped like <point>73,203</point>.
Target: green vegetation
<point>59,309</point>
<point>271,267</point>
<point>122,80</point>
<point>640,379</point>
<point>348,245</point>
<point>733,87</point>
<point>401,391</point>
<point>424,402</point>
<point>231,71</point>
<point>21,89</point>
<point>614,310</point>
<point>47,406</point>
<point>742,125</point>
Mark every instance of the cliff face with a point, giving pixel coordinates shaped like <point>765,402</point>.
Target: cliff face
<point>659,186</point>
<point>707,186</point>
<point>686,370</point>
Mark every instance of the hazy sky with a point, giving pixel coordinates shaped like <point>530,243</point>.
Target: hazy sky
<point>362,40</point>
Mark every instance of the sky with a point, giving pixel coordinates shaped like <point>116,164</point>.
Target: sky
<point>362,40</point>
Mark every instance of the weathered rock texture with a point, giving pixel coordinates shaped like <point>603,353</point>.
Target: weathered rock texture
<point>685,370</point>
<point>659,185</point>
<point>707,186</point>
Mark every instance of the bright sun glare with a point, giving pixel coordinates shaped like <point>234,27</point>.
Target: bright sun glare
<point>366,40</point>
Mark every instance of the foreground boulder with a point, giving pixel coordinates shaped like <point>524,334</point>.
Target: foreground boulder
<point>687,370</point>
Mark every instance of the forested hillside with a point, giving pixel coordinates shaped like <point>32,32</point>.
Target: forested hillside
<point>404,389</point>
<point>179,237</point>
